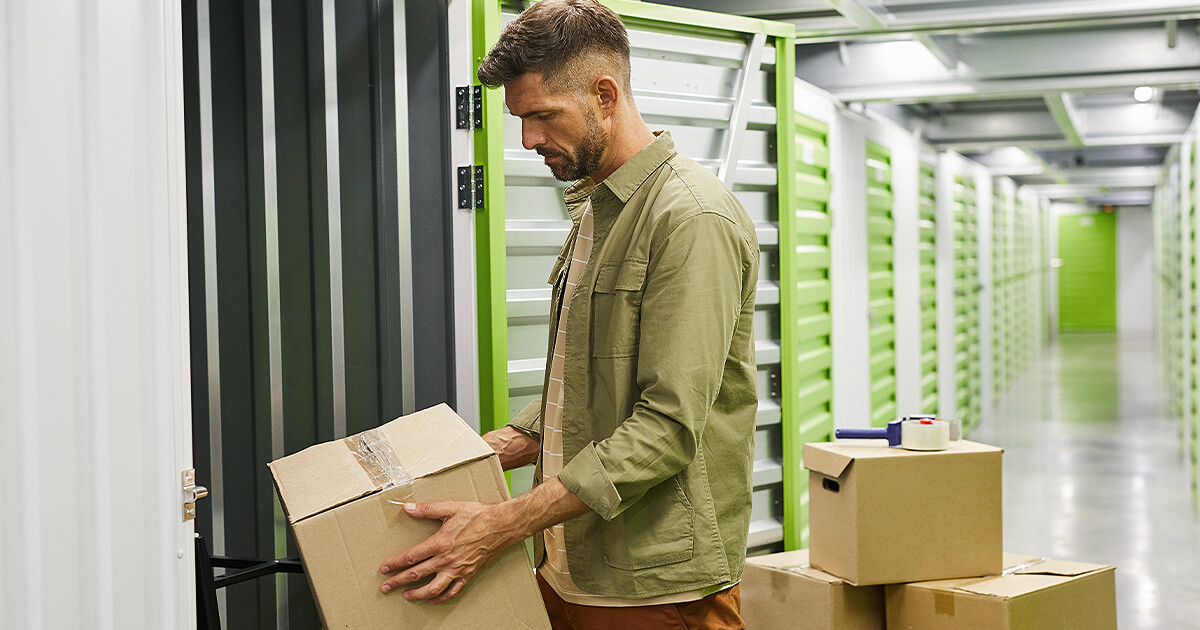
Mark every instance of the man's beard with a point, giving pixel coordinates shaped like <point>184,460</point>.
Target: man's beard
<point>587,155</point>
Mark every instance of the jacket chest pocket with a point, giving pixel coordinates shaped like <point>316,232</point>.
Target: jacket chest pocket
<point>617,309</point>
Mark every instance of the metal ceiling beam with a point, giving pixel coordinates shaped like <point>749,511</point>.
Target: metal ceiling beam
<point>1066,117</point>
<point>1113,177</point>
<point>1047,169</point>
<point>859,14</point>
<point>939,47</point>
<point>997,16</point>
<point>1005,65</point>
<point>991,89</point>
<point>1007,127</point>
<point>1110,141</point>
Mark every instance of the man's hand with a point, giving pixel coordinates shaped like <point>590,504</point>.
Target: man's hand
<point>471,537</point>
<point>515,448</point>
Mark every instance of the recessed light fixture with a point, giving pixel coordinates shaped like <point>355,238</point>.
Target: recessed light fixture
<point>1143,94</point>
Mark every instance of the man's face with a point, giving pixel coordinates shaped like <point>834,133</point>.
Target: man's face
<point>559,127</point>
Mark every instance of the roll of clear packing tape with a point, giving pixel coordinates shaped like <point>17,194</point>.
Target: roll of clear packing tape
<point>925,435</point>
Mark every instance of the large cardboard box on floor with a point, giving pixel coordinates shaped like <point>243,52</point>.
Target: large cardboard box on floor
<point>781,590</point>
<point>1031,594</point>
<point>346,524</point>
<point>883,515</point>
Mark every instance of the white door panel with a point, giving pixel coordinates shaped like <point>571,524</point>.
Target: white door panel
<point>95,396</point>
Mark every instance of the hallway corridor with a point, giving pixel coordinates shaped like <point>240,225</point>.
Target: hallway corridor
<point>1095,471</point>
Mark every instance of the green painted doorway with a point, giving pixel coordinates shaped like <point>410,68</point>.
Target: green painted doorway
<point>1087,280</point>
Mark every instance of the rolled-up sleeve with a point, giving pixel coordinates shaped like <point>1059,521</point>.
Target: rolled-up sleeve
<point>529,420</point>
<point>695,289</point>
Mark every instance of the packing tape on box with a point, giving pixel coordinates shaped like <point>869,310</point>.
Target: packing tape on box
<point>1022,567</point>
<point>378,459</point>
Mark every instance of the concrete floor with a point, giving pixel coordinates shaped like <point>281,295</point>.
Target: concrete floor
<point>1095,471</point>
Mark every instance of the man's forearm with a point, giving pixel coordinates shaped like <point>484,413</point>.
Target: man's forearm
<point>514,448</point>
<point>546,505</point>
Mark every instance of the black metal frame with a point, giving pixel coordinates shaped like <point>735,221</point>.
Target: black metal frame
<point>208,616</point>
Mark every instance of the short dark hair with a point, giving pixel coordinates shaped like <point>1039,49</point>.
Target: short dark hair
<point>552,37</point>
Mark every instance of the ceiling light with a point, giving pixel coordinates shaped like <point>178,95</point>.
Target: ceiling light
<point>1143,94</point>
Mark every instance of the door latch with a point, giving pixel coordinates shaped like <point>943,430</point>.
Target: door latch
<point>191,494</point>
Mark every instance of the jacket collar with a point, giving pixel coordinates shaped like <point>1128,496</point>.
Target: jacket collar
<point>625,180</point>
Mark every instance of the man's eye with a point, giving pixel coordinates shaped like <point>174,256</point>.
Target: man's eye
<point>547,116</point>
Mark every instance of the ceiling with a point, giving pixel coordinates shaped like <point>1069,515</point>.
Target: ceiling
<point>1040,90</point>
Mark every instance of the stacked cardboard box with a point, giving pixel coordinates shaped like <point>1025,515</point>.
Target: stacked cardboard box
<point>900,539</point>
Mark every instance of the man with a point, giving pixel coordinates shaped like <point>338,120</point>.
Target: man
<point>644,435</point>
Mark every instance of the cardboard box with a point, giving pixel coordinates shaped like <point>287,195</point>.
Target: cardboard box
<point>881,515</point>
<point>346,526</point>
<point>1031,594</point>
<point>782,591</point>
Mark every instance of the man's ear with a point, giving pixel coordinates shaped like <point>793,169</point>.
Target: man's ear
<point>607,92</point>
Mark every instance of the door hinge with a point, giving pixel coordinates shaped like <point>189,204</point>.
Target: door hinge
<point>191,494</point>
<point>468,107</point>
<point>470,187</point>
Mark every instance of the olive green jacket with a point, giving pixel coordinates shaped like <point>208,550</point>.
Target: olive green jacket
<point>660,381</point>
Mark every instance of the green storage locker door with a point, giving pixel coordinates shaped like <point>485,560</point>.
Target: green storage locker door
<point>1193,392</point>
<point>966,295</point>
<point>1173,264</point>
<point>1021,302</point>
<point>1087,282</point>
<point>1000,354</point>
<point>686,76</point>
<point>810,384</point>
<point>881,285</point>
<point>927,226</point>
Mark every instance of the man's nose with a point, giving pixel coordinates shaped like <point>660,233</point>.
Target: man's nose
<point>531,138</point>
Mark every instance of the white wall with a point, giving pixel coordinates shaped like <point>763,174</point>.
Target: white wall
<point>1135,258</point>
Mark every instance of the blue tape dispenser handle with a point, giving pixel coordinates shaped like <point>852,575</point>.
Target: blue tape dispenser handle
<point>891,433</point>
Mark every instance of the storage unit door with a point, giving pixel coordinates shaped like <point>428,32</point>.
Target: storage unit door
<point>927,243</point>
<point>966,295</point>
<point>810,388</point>
<point>999,295</point>
<point>881,284</point>
<point>1192,391</point>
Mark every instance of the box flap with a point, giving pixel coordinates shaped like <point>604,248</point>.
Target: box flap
<point>433,440</point>
<point>318,478</point>
<point>819,458</point>
<point>783,560</point>
<point>333,473</point>
<point>794,562</point>
<point>1022,575</point>
<point>833,458</point>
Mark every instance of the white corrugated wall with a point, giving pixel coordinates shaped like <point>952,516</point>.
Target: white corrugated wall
<point>94,388</point>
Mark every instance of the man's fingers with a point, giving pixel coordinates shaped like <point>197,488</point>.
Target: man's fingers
<point>409,576</point>
<point>432,589</point>
<point>439,510</point>
<point>407,559</point>
<point>455,588</point>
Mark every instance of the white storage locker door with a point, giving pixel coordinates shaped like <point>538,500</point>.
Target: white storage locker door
<point>94,362</point>
<point>687,80</point>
